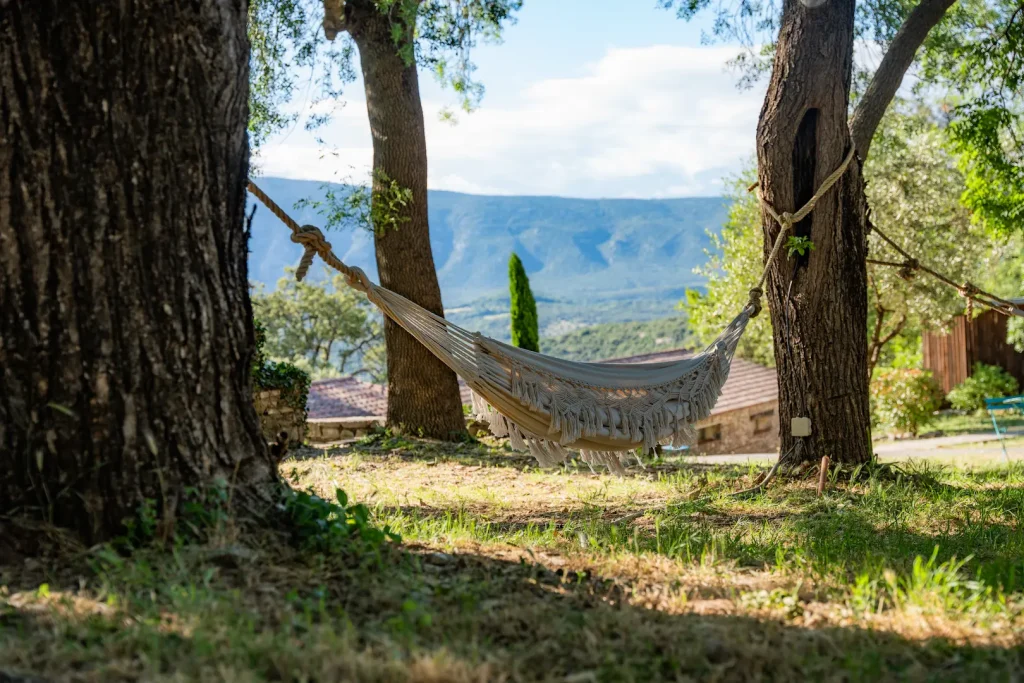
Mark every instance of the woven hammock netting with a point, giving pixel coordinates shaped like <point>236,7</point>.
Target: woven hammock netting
<point>552,407</point>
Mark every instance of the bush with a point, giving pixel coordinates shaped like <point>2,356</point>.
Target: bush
<point>903,399</point>
<point>325,526</point>
<point>1015,333</point>
<point>292,381</point>
<point>988,381</point>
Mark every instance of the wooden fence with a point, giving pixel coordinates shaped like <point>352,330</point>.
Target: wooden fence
<point>951,356</point>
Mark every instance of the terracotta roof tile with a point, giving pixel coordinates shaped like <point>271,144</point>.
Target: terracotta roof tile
<point>748,384</point>
<point>346,397</point>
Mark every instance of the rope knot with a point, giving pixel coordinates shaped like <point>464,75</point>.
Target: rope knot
<point>786,220</point>
<point>909,269</point>
<point>314,242</point>
<point>968,290</point>
<point>356,279</point>
<point>754,302</point>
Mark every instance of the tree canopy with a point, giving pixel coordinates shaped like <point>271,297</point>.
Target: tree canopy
<point>525,329</point>
<point>971,60</point>
<point>288,40</point>
<point>325,328</point>
<point>914,185</point>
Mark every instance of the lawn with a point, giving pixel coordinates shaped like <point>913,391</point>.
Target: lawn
<point>949,424</point>
<point>510,573</point>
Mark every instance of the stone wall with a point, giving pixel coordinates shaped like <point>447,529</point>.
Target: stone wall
<point>332,429</point>
<point>276,416</point>
<point>754,429</point>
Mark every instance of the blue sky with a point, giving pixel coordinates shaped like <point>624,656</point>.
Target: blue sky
<point>584,98</point>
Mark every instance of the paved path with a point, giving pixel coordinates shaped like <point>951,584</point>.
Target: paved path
<point>962,449</point>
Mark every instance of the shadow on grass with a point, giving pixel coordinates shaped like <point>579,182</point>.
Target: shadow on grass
<point>843,534</point>
<point>413,615</point>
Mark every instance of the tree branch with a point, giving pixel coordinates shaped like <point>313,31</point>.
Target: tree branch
<point>889,76</point>
<point>874,347</point>
<point>334,18</point>
<point>897,328</point>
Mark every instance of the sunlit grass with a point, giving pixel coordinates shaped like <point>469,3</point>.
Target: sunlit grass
<point>509,572</point>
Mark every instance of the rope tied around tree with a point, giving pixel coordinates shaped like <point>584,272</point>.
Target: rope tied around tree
<point>786,222</point>
<point>971,292</point>
<point>313,243</point>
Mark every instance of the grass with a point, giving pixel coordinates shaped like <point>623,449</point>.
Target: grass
<point>950,424</point>
<point>507,572</point>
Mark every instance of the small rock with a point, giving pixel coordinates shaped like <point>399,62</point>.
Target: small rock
<point>232,556</point>
<point>439,558</point>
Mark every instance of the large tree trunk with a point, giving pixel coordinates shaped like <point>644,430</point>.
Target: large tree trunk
<point>125,323</point>
<point>818,302</point>
<point>423,394</point>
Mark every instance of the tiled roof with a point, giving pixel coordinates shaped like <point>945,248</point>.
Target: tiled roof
<point>748,384</point>
<point>351,397</point>
<point>346,397</point>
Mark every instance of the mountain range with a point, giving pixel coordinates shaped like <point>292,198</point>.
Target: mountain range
<point>589,260</point>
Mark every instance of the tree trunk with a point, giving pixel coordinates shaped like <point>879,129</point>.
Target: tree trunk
<point>423,394</point>
<point>125,323</point>
<point>818,302</point>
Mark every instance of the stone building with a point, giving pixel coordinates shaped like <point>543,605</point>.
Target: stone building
<point>277,416</point>
<point>344,408</point>
<point>745,420</point>
<point>746,417</point>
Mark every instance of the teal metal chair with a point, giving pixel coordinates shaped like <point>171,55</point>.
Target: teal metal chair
<point>1009,403</point>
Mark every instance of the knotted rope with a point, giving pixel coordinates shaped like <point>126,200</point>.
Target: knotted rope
<point>313,243</point>
<point>972,293</point>
<point>786,221</point>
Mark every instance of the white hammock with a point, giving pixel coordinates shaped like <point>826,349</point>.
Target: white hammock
<point>551,407</point>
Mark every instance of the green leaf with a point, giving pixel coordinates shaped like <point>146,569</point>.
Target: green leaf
<point>799,245</point>
<point>62,409</point>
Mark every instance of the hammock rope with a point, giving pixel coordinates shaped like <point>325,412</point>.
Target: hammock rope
<point>967,290</point>
<point>910,265</point>
<point>605,411</point>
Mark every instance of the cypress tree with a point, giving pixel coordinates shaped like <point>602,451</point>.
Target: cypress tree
<point>525,332</point>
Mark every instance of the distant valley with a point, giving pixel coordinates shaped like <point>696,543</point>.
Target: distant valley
<point>589,261</point>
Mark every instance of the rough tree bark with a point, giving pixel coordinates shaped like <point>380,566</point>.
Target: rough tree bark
<point>818,302</point>
<point>423,394</point>
<point>125,323</point>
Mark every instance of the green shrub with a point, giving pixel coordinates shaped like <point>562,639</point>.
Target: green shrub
<point>903,399</point>
<point>291,381</point>
<point>327,526</point>
<point>1015,333</point>
<point>987,381</point>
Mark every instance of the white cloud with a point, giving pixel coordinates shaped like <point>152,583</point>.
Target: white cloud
<point>641,122</point>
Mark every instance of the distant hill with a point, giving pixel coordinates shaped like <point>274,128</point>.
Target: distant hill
<point>576,250</point>
<point>619,340</point>
<point>558,317</point>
